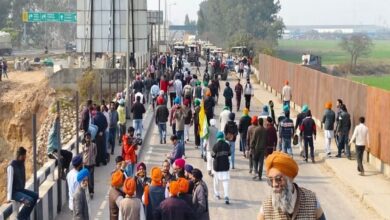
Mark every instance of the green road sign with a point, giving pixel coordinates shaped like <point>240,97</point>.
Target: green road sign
<point>59,17</point>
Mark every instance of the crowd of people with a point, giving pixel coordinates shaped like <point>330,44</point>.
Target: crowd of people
<point>176,189</point>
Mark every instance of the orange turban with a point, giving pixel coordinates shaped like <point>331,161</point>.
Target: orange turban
<point>184,185</point>
<point>117,179</point>
<point>174,188</point>
<point>156,176</point>
<point>129,186</point>
<point>282,162</point>
<point>328,105</point>
<point>208,92</point>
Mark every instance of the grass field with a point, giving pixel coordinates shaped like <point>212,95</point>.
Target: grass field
<point>375,81</point>
<point>330,51</point>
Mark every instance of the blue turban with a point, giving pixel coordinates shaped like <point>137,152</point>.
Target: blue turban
<point>84,173</point>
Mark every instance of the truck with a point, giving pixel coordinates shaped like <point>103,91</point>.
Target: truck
<point>5,43</point>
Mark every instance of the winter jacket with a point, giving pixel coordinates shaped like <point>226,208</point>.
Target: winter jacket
<point>344,123</point>
<point>85,119</point>
<point>100,121</point>
<point>231,129</point>
<point>89,154</point>
<point>243,125</point>
<point>188,115</point>
<point>286,128</point>
<point>138,86</point>
<point>138,110</point>
<point>249,136</point>
<point>177,152</point>
<point>162,114</point>
<point>329,119</point>
<point>272,137</point>
<point>200,201</point>
<point>259,140</point>
<point>238,89</point>
<point>300,118</point>
<point>308,127</point>
<point>180,116</point>
<point>113,116</point>
<point>173,208</point>
<point>228,93</point>
<point>221,153</point>
<point>209,103</point>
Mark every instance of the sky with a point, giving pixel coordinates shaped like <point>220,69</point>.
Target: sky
<point>301,12</point>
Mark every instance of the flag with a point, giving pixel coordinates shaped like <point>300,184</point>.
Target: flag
<point>203,125</point>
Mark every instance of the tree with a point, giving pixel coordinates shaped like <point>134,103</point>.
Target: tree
<point>356,45</point>
<point>187,20</point>
<point>231,20</point>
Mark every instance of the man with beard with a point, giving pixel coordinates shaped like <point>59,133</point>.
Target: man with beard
<point>166,175</point>
<point>288,200</point>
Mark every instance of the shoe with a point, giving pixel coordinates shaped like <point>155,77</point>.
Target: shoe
<point>349,158</point>
<point>91,195</point>
<point>305,160</point>
<point>254,178</point>
<point>338,155</point>
<point>165,141</point>
<point>217,197</point>
<point>205,159</point>
<point>227,201</point>
<point>161,142</point>
<point>250,171</point>
<point>312,160</point>
<point>112,152</point>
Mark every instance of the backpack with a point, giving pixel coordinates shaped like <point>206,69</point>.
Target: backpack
<point>232,131</point>
<point>187,92</point>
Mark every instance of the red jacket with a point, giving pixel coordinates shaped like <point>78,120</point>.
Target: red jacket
<point>128,150</point>
<point>164,86</point>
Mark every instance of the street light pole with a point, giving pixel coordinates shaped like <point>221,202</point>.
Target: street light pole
<point>159,27</point>
<point>127,60</point>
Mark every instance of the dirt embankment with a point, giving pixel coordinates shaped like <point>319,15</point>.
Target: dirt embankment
<point>22,95</point>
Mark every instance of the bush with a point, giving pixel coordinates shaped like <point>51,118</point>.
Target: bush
<point>88,85</point>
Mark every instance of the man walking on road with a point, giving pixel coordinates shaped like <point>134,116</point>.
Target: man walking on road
<point>258,145</point>
<point>101,122</point>
<point>238,90</point>
<point>231,131</point>
<point>224,118</point>
<point>360,137</point>
<point>221,153</point>
<point>16,182</point>
<point>272,137</point>
<point>298,122</point>
<point>248,93</point>
<point>309,131</point>
<point>328,121</point>
<point>286,131</point>
<point>71,179</point>
<point>121,119</point>
<point>286,94</point>
<point>245,122</point>
<point>162,114</point>
<point>210,142</point>
<point>342,130</point>
<point>287,198</point>
<point>249,139</point>
<point>138,109</point>
<point>113,116</point>
<point>228,94</point>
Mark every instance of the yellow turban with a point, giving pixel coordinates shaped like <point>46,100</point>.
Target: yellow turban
<point>245,111</point>
<point>282,162</point>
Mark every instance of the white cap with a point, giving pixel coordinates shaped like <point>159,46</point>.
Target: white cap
<point>213,122</point>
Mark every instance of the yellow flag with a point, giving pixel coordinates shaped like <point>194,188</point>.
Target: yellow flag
<point>203,125</point>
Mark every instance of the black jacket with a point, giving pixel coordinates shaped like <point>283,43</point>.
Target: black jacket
<point>162,114</point>
<point>138,109</point>
<point>221,153</point>
<point>100,121</point>
<point>209,103</point>
<point>231,128</point>
<point>243,125</point>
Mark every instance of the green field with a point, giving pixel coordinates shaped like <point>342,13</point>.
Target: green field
<point>330,51</point>
<point>375,81</point>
